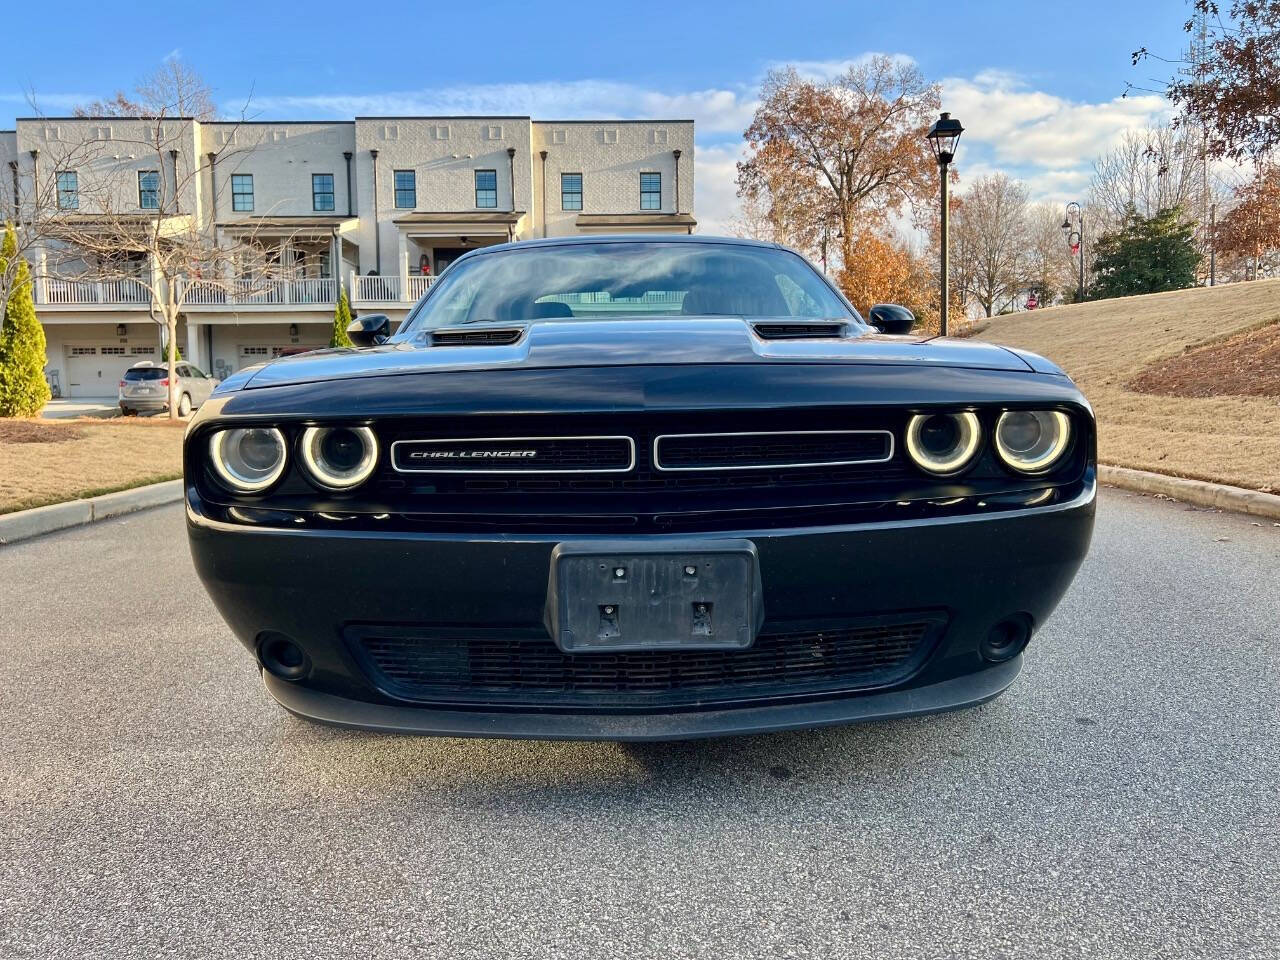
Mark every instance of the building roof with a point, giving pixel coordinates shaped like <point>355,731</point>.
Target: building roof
<point>646,219</point>
<point>278,221</point>
<point>471,217</point>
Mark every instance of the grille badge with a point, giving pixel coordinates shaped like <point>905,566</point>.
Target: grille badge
<point>526,455</point>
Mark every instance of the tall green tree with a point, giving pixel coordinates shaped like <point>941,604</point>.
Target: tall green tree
<point>23,388</point>
<point>341,320</point>
<point>1146,255</point>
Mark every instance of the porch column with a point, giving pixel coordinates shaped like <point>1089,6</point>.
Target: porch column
<point>335,264</point>
<point>194,351</point>
<point>404,270</point>
<point>39,285</point>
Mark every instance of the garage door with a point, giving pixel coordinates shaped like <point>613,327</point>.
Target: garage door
<point>251,353</point>
<point>94,370</point>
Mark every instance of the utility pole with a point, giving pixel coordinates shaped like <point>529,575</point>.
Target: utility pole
<point>1213,243</point>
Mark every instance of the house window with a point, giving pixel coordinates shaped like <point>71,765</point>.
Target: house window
<point>486,188</point>
<point>570,191</point>
<point>242,192</point>
<point>650,191</point>
<point>68,190</point>
<point>322,191</point>
<point>406,189</point>
<point>149,189</point>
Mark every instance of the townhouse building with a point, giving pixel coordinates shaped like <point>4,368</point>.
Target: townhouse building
<point>378,205</point>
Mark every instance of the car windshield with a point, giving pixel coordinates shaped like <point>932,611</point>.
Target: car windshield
<point>605,281</point>
<point>144,373</point>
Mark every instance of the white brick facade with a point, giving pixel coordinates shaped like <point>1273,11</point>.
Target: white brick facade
<point>93,330</point>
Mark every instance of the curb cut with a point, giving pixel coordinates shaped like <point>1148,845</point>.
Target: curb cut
<point>1200,492</point>
<point>26,524</point>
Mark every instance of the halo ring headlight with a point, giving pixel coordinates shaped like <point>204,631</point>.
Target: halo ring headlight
<point>944,443</point>
<point>338,458</point>
<point>248,459</point>
<point>1032,441</point>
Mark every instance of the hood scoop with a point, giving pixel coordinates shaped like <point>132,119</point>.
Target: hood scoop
<point>489,337</point>
<point>809,330</point>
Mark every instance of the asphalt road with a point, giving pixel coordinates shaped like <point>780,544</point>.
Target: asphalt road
<point>1121,800</point>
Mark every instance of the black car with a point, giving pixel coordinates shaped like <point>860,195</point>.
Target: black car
<point>639,488</point>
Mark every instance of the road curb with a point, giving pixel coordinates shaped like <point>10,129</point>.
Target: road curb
<point>1199,492</point>
<point>26,524</point>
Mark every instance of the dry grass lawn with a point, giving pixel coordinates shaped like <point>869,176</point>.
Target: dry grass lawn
<point>48,461</point>
<point>1105,346</point>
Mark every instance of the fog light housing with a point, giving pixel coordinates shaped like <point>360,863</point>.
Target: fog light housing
<point>1006,639</point>
<point>282,657</point>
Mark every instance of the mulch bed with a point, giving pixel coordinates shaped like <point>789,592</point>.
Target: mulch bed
<point>1244,366</point>
<point>36,431</point>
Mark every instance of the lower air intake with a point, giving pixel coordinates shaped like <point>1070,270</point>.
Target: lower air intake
<point>505,671</point>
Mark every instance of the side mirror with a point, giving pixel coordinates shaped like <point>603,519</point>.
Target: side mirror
<point>891,318</point>
<point>370,329</point>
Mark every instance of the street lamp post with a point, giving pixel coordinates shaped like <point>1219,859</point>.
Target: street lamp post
<point>943,137</point>
<point>1075,237</point>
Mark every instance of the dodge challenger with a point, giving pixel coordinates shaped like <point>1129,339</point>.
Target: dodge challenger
<point>639,488</point>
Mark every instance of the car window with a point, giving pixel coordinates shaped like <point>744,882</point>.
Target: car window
<point>144,373</point>
<point>196,373</point>
<point>182,371</point>
<point>612,280</point>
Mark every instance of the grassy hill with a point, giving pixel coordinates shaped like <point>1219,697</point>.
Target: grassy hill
<point>1135,359</point>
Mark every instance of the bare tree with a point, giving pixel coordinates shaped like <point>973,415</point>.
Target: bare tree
<point>131,218</point>
<point>1048,267</point>
<point>1155,169</point>
<point>173,86</point>
<point>991,232</point>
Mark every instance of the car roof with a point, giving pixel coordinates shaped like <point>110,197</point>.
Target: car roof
<point>697,239</point>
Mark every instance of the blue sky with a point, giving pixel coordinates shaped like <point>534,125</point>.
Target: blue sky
<point>1037,84</point>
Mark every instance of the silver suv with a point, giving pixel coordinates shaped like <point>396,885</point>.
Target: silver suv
<point>145,388</point>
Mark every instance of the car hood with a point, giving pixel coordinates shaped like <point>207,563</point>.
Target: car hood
<point>648,341</point>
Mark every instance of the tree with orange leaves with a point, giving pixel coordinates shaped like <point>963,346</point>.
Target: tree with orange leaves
<point>1251,231</point>
<point>834,159</point>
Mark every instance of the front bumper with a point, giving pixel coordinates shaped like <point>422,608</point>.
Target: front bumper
<point>311,585</point>
<point>964,691</point>
<point>144,403</point>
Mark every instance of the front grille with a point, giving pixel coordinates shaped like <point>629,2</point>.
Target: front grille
<point>745,451</point>
<point>607,479</point>
<point>505,455</point>
<point>428,665</point>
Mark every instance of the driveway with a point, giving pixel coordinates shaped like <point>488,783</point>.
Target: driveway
<point>1119,801</point>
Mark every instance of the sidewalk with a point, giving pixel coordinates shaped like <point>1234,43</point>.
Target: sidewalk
<point>67,409</point>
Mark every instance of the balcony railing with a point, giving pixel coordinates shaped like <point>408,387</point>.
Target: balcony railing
<point>390,288</point>
<point>417,286</point>
<point>251,293</point>
<point>87,292</point>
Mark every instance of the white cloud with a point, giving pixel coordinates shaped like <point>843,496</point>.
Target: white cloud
<point>1033,128</point>
<point>714,111</point>
<point>715,186</point>
<point>32,105</point>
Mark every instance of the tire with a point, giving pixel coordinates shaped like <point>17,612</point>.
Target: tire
<point>184,406</point>
<point>126,412</point>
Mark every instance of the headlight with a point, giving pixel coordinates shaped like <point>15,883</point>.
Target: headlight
<point>943,443</point>
<point>338,458</point>
<point>1032,441</point>
<point>248,460</point>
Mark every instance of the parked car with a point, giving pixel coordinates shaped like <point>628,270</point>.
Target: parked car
<point>639,488</point>
<point>145,388</point>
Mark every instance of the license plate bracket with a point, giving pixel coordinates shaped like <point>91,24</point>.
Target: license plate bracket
<point>609,596</point>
